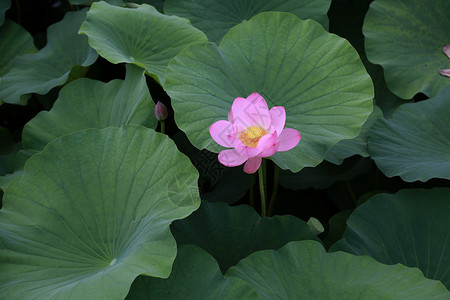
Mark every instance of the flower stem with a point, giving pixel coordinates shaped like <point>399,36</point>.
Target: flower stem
<point>262,187</point>
<point>273,198</point>
<point>163,127</point>
<point>252,190</point>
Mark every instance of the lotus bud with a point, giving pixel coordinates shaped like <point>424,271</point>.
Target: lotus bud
<point>315,226</point>
<point>160,111</point>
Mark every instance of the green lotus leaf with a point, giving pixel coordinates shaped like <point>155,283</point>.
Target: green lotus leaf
<point>50,67</point>
<point>8,153</point>
<point>346,20</point>
<point>195,275</point>
<point>87,103</point>
<point>89,2</point>
<point>336,227</point>
<point>216,17</point>
<point>14,41</point>
<point>303,270</point>
<point>315,75</point>
<point>355,146</point>
<point>387,101</point>
<point>415,142</point>
<point>158,4</point>
<point>141,36</point>
<point>406,37</point>
<point>83,104</point>
<point>409,227</point>
<point>12,165</point>
<point>14,170</point>
<point>4,6</point>
<point>230,234</point>
<point>155,3</point>
<point>12,159</point>
<point>91,212</point>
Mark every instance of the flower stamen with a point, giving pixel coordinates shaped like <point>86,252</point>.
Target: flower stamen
<point>251,136</point>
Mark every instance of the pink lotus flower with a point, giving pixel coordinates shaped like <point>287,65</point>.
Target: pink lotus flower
<point>254,132</point>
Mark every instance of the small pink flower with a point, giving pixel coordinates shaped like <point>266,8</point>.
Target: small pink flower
<point>254,132</point>
<point>446,50</point>
<point>160,111</point>
<point>445,72</point>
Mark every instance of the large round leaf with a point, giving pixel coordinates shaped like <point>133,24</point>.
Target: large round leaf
<point>415,143</point>
<point>216,17</point>
<point>316,76</point>
<point>231,233</point>
<point>409,227</point>
<point>14,41</point>
<point>158,4</point>
<point>355,146</point>
<point>87,103</point>
<point>346,20</point>
<point>91,212</point>
<point>141,36</point>
<point>12,165</point>
<point>406,37</point>
<point>89,2</point>
<point>195,275</point>
<point>303,270</point>
<point>50,67</point>
<point>336,227</point>
<point>83,104</point>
